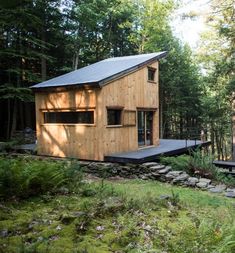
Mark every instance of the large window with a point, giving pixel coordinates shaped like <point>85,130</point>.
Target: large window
<point>114,117</point>
<point>151,74</point>
<point>81,117</point>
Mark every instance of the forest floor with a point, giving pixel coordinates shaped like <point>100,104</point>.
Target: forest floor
<point>119,216</point>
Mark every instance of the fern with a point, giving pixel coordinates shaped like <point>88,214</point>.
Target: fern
<point>23,178</point>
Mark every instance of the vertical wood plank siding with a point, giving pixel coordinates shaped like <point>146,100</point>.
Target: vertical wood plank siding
<point>92,142</point>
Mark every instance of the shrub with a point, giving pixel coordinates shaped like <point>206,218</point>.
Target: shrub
<point>23,177</point>
<point>177,163</point>
<point>198,164</point>
<point>202,165</point>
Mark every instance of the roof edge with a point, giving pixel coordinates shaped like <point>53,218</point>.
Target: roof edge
<point>132,69</point>
<point>63,88</point>
<point>104,81</point>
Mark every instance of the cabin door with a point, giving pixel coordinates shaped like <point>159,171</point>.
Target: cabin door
<point>145,128</point>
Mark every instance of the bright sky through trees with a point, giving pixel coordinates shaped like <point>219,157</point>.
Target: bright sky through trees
<point>188,21</point>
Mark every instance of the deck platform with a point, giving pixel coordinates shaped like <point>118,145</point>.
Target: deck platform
<point>26,148</point>
<point>167,147</point>
<point>225,164</point>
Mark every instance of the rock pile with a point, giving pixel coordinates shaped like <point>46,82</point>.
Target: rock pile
<point>154,171</point>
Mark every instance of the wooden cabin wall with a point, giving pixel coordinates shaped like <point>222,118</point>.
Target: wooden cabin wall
<point>131,92</point>
<point>92,142</point>
<point>66,140</point>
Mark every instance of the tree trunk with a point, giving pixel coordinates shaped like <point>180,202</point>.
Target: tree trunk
<point>212,139</point>
<point>43,60</point>
<point>8,118</point>
<point>14,118</point>
<point>76,60</point>
<point>161,111</point>
<point>21,112</point>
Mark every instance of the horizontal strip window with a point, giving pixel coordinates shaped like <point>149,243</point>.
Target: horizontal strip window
<point>70,109</point>
<point>80,117</point>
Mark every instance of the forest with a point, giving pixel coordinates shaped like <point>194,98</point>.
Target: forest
<point>41,39</point>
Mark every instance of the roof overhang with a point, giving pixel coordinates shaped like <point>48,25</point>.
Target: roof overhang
<point>99,82</point>
<point>61,88</point>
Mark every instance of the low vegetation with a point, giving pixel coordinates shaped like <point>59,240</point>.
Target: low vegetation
<point>23,177</point>
<point>198,164</point>
<point>67,212</point>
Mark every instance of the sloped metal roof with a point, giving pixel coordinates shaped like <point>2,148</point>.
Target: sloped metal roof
<point>102,72</point>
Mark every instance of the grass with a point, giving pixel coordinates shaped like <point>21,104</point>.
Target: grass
<point>120,216</point>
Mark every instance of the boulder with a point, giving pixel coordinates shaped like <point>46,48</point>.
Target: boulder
<point>222,186</point>
<point>230,194</point>
<point>181,178</point>
<point>230,190</point>
<point>165,170</point>
<point>202,185</point>
<point>4,233</point>
<point>210,186</point>
<point>155,174</point>
<point>84,163</point>
<point>149,164</point>
<point>144,177</point>
<point>192,181</point>
<point>174,173</point>
<point>204,180</point>
<point>217,189</point>
<point>157,167</point>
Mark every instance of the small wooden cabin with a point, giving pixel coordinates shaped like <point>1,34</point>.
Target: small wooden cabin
<point>107,107</point>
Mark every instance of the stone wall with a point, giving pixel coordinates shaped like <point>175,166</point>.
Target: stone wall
<point>153,171</point>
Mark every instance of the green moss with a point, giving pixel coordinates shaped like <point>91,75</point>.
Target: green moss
<point>129,218</point>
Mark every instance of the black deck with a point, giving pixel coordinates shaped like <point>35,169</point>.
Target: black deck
<point>225,164</point>
<point>167,147</point>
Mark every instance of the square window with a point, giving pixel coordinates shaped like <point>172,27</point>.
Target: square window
<point>114,117</point>
<point>151,74</point>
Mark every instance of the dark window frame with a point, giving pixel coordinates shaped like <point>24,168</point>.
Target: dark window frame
<point>70,117</point>
<point>152,74</point>
<point>114,120</point>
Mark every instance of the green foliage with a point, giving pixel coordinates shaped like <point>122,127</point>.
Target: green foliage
<point>216,56</point>
<point>177,163</point>
<point>202,165</point>
<point>43,39</point>
<point>198,164</point>
<point>24,177</point>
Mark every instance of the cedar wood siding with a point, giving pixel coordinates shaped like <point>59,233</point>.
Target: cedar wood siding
<point>92,142</point>
<point>131,92</point>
